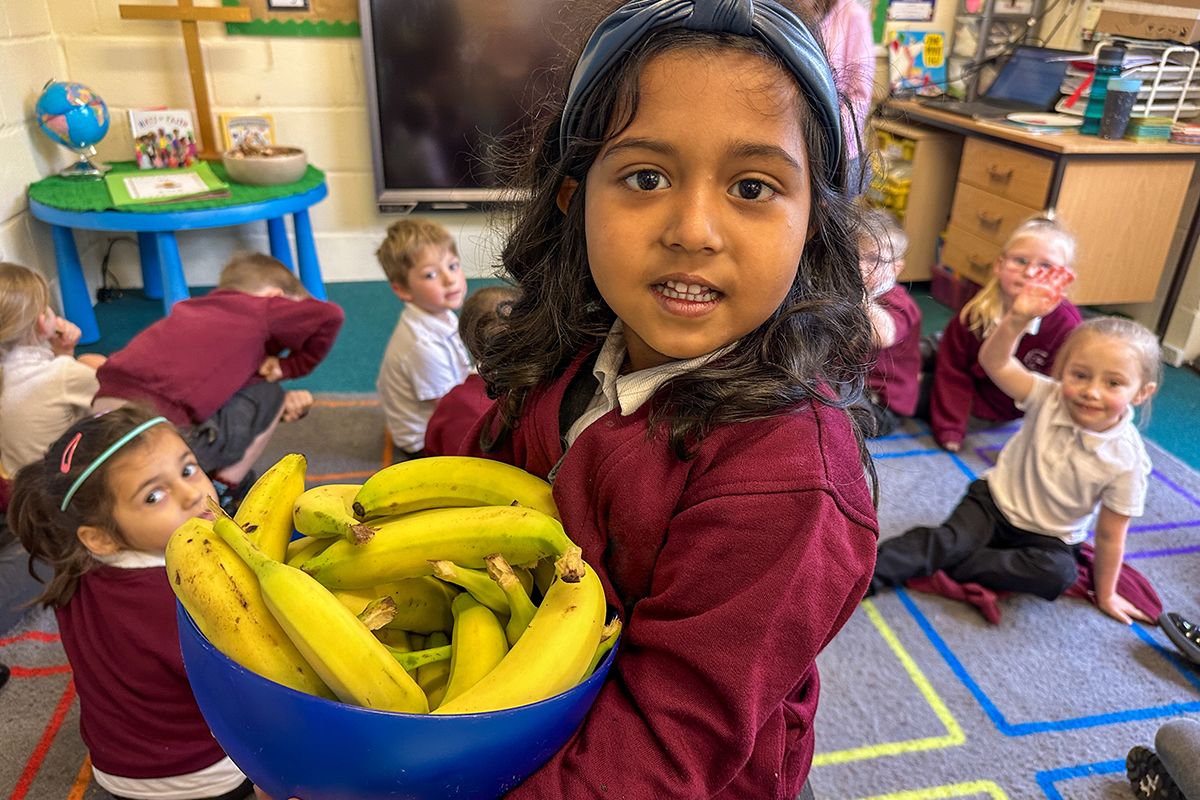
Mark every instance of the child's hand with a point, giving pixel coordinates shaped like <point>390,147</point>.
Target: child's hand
<point>66,336</point>
<point>270,370</point>
<point>952,447</point>
<point>1121,609</point>
<point>296,404</point>
<point>1042,293</point>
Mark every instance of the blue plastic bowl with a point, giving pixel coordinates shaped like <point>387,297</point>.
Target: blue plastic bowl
<point>292,744</point>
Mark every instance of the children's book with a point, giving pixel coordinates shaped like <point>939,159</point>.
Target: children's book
<point>917,62</point>
<point>163,138</point>
<point>247,131</point>
<point>134,189</point>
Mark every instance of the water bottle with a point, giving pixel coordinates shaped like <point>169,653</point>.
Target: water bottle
<point>1108,65</point>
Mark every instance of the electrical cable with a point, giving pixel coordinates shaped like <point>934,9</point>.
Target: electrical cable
<point>106,293</point>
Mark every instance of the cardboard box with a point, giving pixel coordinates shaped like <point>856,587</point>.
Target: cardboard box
<point>1177,20</point>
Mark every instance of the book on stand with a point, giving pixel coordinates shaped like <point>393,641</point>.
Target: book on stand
<point>157,187</point>
<point>255,131</point>
<point>163,138</point>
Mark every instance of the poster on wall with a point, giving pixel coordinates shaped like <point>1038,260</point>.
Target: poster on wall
<point>910,10</point>
<point>296,18</point>
<point>917,62</point>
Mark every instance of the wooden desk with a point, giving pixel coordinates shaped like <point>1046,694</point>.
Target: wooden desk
<point>1123,200</point>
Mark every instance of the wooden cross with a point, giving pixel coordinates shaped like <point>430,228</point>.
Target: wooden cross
<point>188,16</point>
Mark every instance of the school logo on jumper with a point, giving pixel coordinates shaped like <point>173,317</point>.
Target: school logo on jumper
<point>1036,359</point>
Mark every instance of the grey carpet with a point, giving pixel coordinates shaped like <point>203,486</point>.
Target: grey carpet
<point>921,698</point>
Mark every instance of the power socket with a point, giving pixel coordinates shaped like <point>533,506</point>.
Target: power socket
<point>106,295</point>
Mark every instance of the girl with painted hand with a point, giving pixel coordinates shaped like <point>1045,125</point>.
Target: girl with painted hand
<point>961,389</point>
<point>690,329</point>
<point>1077,461</point>
<point>98,509</point>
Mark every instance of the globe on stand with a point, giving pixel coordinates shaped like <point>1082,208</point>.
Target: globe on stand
<point>74,116</point>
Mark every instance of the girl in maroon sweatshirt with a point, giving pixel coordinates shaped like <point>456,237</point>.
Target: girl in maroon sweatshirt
<point>691,326</point>
<point>98,510</point>
<point>961,389</point>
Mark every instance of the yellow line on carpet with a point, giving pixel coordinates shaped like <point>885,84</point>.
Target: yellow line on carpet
<point>951,790</point>
<point>329,477</point>
<point>82,779</point>
<point>954,734</point>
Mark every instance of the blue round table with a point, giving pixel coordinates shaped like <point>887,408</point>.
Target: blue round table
<point>162,270</point>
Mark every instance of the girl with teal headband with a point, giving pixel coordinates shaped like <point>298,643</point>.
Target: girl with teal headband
<point>689,332</point>
<point>97,510</point>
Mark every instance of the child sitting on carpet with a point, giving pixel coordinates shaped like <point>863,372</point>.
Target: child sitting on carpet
<point>457,412</point>
<point>212,365</point>
<point>43,387</point>
<point>425,358</point>
<point>960,388</point>
<point>1077,457</point>
<point>98,508</point>
<point>893,384</point>
<point>690,329</point>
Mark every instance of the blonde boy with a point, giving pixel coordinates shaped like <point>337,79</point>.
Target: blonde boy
<point>425,358</point>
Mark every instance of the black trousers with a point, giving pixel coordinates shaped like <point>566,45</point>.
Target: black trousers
<point>978,545</point>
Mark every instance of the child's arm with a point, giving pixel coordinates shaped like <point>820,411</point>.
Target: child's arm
<point>997,355</point>
<point>1111,528</point>
<point>306,329</point>
<point>883,326</point>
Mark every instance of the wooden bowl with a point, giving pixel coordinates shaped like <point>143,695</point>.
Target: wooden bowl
<point>269,167</point>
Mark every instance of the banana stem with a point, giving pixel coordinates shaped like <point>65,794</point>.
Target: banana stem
<point>570,566</point>
<point>608,638</point>
<point>378,613</point>
<point>521,608</point>
<point>412,659</point>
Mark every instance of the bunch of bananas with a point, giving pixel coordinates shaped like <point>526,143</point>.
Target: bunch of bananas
<point>443,585</point>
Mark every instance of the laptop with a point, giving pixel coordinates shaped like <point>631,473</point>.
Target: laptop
<point>1029,81</point>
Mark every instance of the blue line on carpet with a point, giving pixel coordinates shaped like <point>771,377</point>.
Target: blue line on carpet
<point>1173,551</point>
<point>1047,778</point>
<point>1185,668</point>
<point>1164,526</point>
<point>1178,489</point>
<point>1027,728</point>
<point>904,453</point>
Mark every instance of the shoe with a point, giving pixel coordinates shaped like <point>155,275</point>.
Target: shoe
<point>5,672</point>
<point>1148,777</point>
<point>230,497</point>
<point>1183,634</point>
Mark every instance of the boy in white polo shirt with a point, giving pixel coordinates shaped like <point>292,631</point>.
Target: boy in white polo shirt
<point>1077,459</point>
<point>425,358</point>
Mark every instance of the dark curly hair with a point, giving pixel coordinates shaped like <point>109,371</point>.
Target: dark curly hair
<point>814,348</point>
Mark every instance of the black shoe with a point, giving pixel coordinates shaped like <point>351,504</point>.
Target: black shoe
<point>5,672</point>
<point>1183,634</point>
<point>1148,777</point>
<point>230,497</point>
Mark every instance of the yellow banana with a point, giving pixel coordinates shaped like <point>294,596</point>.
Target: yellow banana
<point>445,481</point>
<point>432,677</point>
<point>351,661</point>
<point>300,550</point>
<point>402,548</point>
<point>520,608</point>
<point>324,512</point>
<point>422,604</point>
<point>415,659</point>
<point>356,600</point>
<point>221,595</point>
<point>266,511</point>
<point>475,581</point>
<point>397,641</point>
<point>608,639</point>
<point>555,650</point>
<point>543,575</point>
<point>476,646</point>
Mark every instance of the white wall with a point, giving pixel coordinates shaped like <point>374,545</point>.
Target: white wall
<point>29,56</point>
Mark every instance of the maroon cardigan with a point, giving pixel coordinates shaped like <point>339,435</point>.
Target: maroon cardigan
<point>188,364</point>
<point>962,389</point>
<point>732,571</point>
<point>896,373</point>
<point>455,415</point>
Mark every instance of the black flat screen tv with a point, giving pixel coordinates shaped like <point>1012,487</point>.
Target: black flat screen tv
<point>446,80</point>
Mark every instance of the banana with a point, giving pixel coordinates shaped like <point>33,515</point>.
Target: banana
<point>477,645</point>
<point>397,641</point>
<point>475,581</point>
<point>415,659</point>
<point>520,608</point>
<point>300,550</point>
<point>422,604</point>
<point>324,512</point>
<point>554,651</point>
<point>608,638</point>
<point>402,548</point>
<point>351,661</point>
<point>445,481</point>
<point>266,511</point>
<point>378,613</point>
<point>543,575</point>
<point>221,595</point>
<point>432,677</point>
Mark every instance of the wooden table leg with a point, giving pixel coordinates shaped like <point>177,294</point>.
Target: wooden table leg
<point>174,284</point>
<point>152,285</point>
<point>77,304</point>
<point>306,250</point>
<point>280,248</point>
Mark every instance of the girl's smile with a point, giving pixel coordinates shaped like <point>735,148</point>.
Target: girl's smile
<point>695,232</point>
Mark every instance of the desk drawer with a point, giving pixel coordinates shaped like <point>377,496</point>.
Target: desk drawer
<point>1006,171</point>
<point>987,215</point>
<point>968,255</point>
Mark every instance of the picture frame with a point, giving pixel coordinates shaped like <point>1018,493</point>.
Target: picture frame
<point>238,126</point>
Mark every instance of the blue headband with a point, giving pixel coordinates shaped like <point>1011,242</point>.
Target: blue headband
<point>766,20</point>
<point>100,459</point>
